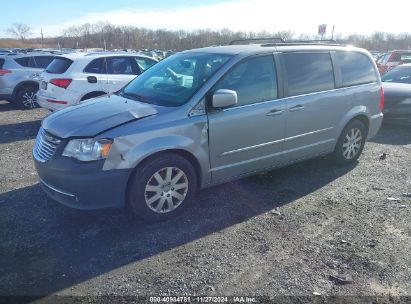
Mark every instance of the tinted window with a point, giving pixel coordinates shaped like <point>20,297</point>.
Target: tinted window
<point>404,57</point>
<point>308,72</point>
<point>254,80</point>
<point>95,67</point>
<point>356,68</point>
<point>143,63</point>
<point>24,61</point>
<point>1,63</point>
<point>400,74</point>
<point>174,80</point>
<point>43,61</point>
<point>59,65</point>
<point>385,58</point>
<point>120,65</point>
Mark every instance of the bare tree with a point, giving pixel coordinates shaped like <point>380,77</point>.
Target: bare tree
<point>20,31</point>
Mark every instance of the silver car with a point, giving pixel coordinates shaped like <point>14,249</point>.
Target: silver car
<point>208,116</point>
<point>18,77</point>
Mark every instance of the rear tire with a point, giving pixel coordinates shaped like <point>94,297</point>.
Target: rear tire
<point>162,187</point>
<point>350,143</point>
<point>26,97</point>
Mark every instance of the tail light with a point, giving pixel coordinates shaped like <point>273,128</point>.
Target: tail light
<point>61,82</point>
<point>4,72</point>
<point>381,106</point>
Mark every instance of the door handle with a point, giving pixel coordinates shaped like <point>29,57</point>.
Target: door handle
<point>275,112</point>
<point>296,108</point>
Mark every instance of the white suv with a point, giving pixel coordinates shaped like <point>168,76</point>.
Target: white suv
<point>72,78</point>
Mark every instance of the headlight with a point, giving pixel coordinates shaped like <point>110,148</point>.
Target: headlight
<point>88,149</point>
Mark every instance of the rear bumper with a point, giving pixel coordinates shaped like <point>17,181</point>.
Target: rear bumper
<point>82,185</point>
<point>50,103</point>
<point>375,124</point>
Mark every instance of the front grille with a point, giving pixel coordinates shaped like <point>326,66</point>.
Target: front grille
<point>45,146</point>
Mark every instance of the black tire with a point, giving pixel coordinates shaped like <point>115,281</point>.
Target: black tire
<point>144,177</point>
<point>26,97</point>
<point>341,154</point>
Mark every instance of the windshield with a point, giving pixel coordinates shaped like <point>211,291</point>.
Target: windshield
<point>400,74</point>
<point>173,81</point>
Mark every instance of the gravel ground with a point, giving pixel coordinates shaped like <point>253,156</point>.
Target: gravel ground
<point>287,232</point>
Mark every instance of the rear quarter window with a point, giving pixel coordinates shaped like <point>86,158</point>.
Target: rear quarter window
<point>24,61</point>
<point>59,65</point>
<point>356,68</point>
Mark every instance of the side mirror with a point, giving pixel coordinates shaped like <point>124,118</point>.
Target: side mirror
<point>224,98</point>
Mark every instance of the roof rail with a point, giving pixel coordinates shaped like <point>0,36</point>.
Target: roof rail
<point>326,41</point>
<point>256,40</point>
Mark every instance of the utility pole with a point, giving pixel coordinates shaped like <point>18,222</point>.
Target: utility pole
<point>332,33</point>
<point>42,38</point>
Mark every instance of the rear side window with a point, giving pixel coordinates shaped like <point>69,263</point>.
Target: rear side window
<point>95,66</point>
<point>43,61</point>
<point>356,68</point>
<point>308,73</point>
<point>120,66</point>
<point>59,65</point>
<point>1,63</point>
<point>404,57</point>
<point>253,79</point>
<point>24,61</point>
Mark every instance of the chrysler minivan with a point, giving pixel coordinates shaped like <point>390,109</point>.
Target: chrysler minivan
<point>208,116</point>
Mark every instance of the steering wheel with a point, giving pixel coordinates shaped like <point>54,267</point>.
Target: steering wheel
<point>173,75</point>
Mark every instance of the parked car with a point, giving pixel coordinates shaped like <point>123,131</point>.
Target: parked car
<point>397,86</point>
<point>18,77</point>
<point>392,59</point>
<point>229,112</point>
<point>76,77</point>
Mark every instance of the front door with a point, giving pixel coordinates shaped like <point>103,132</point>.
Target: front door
<point>247,137</point>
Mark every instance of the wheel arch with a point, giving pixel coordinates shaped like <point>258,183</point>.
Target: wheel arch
<point>23,84</point>
<point>92,95</point>
<point>180,152</point>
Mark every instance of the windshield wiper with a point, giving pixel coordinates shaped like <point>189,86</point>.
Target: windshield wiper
<point>136,96</point>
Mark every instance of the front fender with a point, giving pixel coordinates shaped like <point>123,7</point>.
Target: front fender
<point>128,152</point>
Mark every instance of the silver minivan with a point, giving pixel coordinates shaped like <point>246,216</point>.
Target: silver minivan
<point>208,116</point>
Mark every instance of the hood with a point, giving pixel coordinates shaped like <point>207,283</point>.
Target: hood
<point>95,116</point>
<point>396,90</point>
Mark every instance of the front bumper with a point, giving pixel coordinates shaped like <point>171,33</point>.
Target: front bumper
<point>82,185</point>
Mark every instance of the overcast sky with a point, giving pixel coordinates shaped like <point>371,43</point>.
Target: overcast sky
<point>348,16</point>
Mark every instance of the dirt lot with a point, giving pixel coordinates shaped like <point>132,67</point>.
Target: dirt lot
<point>286,232</point>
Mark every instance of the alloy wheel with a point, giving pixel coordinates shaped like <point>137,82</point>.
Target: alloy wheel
<point>166,189</point>
<point>29,100</point>
<point>352,143</point>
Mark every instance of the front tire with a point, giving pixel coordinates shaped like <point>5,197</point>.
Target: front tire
<point>26,97</point>
<point>351,143</point>
<point>162,187</point>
